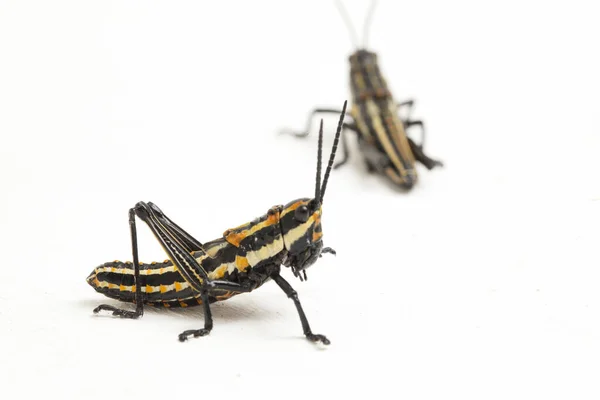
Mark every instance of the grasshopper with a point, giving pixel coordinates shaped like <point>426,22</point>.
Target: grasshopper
<point>242,260</point>
<point>374,115</point>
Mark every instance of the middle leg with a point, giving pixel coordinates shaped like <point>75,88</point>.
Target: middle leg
<point>345,153</point>
<point>208,322</point>
<point>408,123</point>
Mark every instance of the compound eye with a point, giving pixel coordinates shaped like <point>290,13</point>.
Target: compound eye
<point>301,214</point>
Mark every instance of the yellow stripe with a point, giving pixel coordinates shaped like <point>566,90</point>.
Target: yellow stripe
<point>292,207</point>
<point>177,286</point>
<point>378,126</point>
<point>399,136</point>
<point>130,271</point>
<point>360,122</point>
<point>298,232</point>
<point>218,273</point>
<point>214,248</point>
<point>265,252</point>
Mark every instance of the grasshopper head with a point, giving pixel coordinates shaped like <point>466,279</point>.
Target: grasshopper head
<point>302,233</point>
<point>362,59</point>
<point>301,219</point>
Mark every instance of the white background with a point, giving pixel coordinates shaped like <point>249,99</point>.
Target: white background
<point>481,283</point>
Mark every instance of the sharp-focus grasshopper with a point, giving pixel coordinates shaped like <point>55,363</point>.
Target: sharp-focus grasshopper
<point>381,132</point>
<point>242,260</point>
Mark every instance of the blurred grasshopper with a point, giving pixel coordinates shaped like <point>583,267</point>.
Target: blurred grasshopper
<point>242,260</point>
<point>381,132</point>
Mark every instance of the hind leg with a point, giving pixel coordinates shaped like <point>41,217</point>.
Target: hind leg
<point>421,157</point>
<point>139,304</point>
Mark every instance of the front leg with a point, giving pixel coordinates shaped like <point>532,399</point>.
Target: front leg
<point>311,116</point>
<point>292,294</point>
<point>408,123</point>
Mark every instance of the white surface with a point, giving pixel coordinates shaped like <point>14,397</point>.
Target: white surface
<point>482,283</point>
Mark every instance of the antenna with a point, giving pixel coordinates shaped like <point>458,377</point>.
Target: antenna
<point>333,150</point>
<point>319,152</point>
<point>367,23</point>
<point>346,18</point>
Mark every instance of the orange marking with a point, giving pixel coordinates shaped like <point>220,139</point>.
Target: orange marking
<point>236,235</point>
<point>225,296</point>
<point>241,263</point>
<point>316,236</point>
<point>236,238</point>
<point>293,207</point>
<point>122,288</point>
<point>112,286</point>
<point>183,304</point>
<point>163,289</point>
<point>133,289</point>
<point>272,219</point>
<point>220,272</point>
<point>199,300</point>
<point>167,305</point>
<point>149,289</point>
<point>178,286</point>
<point>379,92</point>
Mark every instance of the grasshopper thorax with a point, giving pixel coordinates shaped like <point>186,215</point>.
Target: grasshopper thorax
<point>366,80</point>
